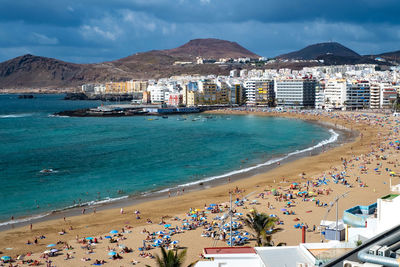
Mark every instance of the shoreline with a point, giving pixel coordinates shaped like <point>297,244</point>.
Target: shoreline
<point>344,135</point>
<point>95,224</point>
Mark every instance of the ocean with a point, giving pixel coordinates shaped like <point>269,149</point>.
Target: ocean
<point>97,160</point>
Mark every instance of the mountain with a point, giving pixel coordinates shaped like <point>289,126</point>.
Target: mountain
<point>31,71</point>
<point>391,56</point>
<point>317,50</point>
<point>211,48</point>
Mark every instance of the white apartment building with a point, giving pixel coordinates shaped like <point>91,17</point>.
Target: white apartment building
<point>295,92</point>
<point>375,96</point>
<point>157,93</point>
<point>358,95</point>
<point>319,98</point>
<point>88,88</point>
<point>100,89</point>
<point>335,93</point>
<point>250,92</point>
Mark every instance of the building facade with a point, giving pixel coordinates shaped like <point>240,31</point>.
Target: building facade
<point>335,93</point>
<point>295,92</point>
<point>358,95</point>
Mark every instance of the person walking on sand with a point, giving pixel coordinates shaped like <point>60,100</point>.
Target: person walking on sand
<point>122,211</point>
<point>31,226</point>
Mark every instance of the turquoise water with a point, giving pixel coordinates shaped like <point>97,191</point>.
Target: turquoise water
<point>101,158</point>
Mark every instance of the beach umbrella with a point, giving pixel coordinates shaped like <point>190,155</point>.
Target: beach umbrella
<point>167,236</point>
<point>238,214</point>
<point>5,258</point>
<point>53,250</point>
<point>194,216</point>
<point>113,232</point>
<point>209,208</point>
<point>89,238</point>
<point>46,251</point>
<point>185,223</point>
<point>167,225</point>
<point>51,245</point>
<point>158,241</point>
<point>112,253</point>
<point>213,205</point>
<point>174,242</point>
<point>107,236</point>
<point>160,233</point>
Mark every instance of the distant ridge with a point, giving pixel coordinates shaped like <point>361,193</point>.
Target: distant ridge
<point>393,56</point>
<point>31,71</point>
<point>317,50</point>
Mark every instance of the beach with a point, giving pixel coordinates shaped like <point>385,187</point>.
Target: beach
<point>372,135</point>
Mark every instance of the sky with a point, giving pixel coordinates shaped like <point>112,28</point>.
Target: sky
<point>89,31</point>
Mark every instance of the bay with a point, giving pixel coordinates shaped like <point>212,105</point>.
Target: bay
<point>104,158</point>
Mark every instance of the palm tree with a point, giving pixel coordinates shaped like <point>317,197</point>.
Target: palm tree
<point>171,259</point>
<point>260,223</point>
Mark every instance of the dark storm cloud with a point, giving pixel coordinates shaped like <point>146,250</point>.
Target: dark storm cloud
<point>97,30</point>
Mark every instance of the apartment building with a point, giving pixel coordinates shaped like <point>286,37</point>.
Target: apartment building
<point>375,96</point>
<point>136,86</point>
<point>207,92</point>
<point>388,95</point>
<point>335,93</point>
<point>236,94</point>
<point>358,95</point>
<point>116,88</point>
<point>157,93</point>
<point>295,92</point>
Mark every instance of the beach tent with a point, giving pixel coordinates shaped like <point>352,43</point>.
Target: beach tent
<point>112,253</point>
<point>113,232</point>
<point>5,258</point>
<point>51,245</point>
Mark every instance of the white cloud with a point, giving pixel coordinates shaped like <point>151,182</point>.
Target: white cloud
<point>140,20</point>
<point>43,39</point>
<point>89,32</point>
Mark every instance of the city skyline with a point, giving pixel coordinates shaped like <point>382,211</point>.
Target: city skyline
<point>96,31</point>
